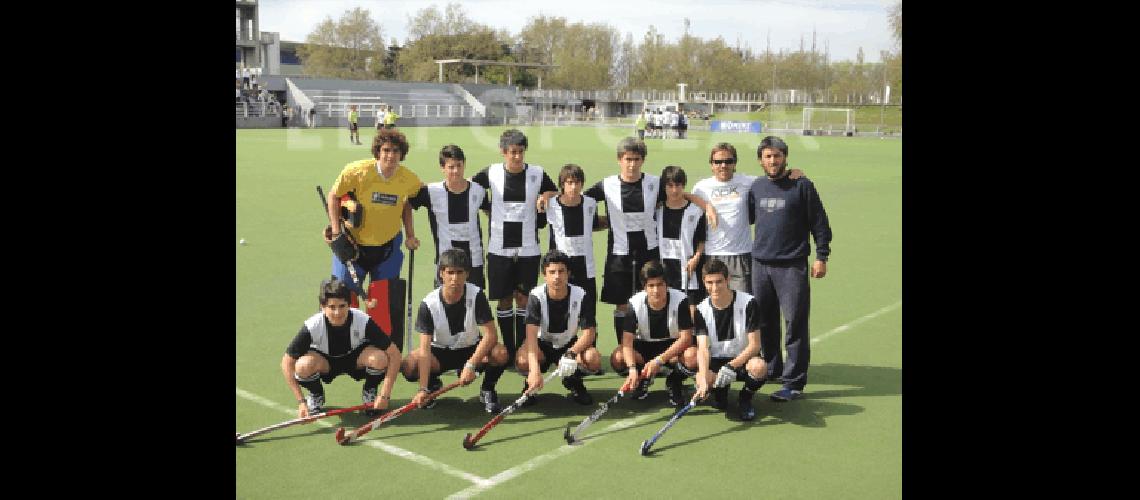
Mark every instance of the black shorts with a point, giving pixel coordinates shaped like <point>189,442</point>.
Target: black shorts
<point>509,274</point>
<point>352,127</point>
<point>343,365</point>
<point>578,277</point>
<point>474,276</point>
<point>650,349</point>
<point>551,355</point>
<point>618,284</point>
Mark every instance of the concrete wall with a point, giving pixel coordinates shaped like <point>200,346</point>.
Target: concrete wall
<point>258,122</point>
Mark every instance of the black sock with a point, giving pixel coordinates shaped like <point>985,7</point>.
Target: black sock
<point>520,327</point>
<point>674,379</point>
<point>313,384</point>
<point>751,384</point>
<point>506,320</point>
<point>372,378</point>
<point>619,318</point>
<point>491,377</point>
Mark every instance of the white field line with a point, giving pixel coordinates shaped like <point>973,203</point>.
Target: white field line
<point>848,326</point>
<point>387,448</point>
<point>540,460</point>
<point>563,450</point>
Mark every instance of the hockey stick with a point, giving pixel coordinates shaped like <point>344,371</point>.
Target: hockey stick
<point>469,440</point>
<point>241,438</point>
<point>368,303</point>
<point>572,437</point>
<point>411,272</point>
<point>343,439</point>
<point>645,445</point>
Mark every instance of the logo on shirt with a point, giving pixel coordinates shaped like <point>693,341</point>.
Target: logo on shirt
<point>532,178</point>
<point>649,185</point>
<point>692,219</point>
<point>771,204</point>
<point>384,198</point>
<point>724,192</point>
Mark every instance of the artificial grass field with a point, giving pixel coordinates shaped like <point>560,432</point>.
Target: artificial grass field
<point>842,440</point>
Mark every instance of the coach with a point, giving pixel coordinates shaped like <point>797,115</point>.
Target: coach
<point>786,210</point>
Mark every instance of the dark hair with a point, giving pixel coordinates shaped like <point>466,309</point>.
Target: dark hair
<point>554,257</point>
<point>631,145</point>
<point>774,143</point>
<point>512,137</point>
<point>391,136</point>
<point>450,152</point>
<point>455,257</point>
<point>723,146</point>
<point>652,269</point>
<point>714,266</point>
<point>571,170</point>
<point>333,288</point>
<point>674,174</point>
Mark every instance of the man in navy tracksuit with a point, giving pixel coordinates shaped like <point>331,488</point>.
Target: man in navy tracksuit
<point>786,210</point>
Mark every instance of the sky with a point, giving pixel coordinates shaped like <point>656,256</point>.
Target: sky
<point>844,25</point>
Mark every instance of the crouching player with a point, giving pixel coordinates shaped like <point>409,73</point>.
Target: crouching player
<point>337,340</point>
<point>447,322</point>
<point>656,333</point>
<point>727,328</point>
<point>555,312</point>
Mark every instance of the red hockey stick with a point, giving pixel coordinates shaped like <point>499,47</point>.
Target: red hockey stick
<point>241,438</point>
<point>469,441</point>
<point>344,439</point>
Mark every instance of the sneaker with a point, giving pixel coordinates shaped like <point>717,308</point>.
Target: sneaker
<point>747,412</point>
<point>720,398</point>
<point>316,403</point>
<point>676,394</point>
<point>784,395</point>
<point>490,400</point>
<point>368,396</point>
<point>642,390</point>
<point>434,384</point>
<point>577,390</point>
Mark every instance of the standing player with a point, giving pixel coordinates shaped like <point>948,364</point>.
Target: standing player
<point>381,187</point>
<point>631,199</point>
<point>659,329</point>
<point>681,227</point>
<point>573,218</point>
<point>787,210</point>
<point>556,312</point>
<point>353,131</point>
<point>448,322</point>
<point>453,211</point>
<point>337,340</point>
<point>727,328</point>
<point>512,243</point>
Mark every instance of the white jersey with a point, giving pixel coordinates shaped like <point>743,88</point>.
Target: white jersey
<point>681,249</point>
<point>320,335</point>
<point>622,222</point>
<point>728,348</point>
<point>559,339</point>
<point>672,119</point>
<point>524,212</point>
<point>639,304</point>
<point>574,246</point>
<point>447,232</point>
<point>731,236</point>
<point>442,336</point>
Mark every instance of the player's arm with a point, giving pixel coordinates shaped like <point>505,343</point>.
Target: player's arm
<point>534,377</point>
<point>703,374</point>
<point>425,326</point>
<point>549,190</point>
<point>482,350</point>
<point>629,356</point>
<point>334,207</point>
<point>297,348</point>
<point>410,229</point>
<point>390,376</point>
<point>710,211</point>
<point>820,231</point>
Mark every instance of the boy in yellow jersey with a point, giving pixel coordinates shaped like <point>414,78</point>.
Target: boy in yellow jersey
<point>382,186</point>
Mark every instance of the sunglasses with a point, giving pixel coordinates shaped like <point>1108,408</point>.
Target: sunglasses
<point>730,161</point>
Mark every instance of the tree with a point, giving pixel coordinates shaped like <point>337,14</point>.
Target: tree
<point>450,35</point>
<point>895,18</point>
<point>344,48</point>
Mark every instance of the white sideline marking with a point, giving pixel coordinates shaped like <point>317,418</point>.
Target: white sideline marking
<point>387,448</point>
<point>848,326</point>
<point>540,460</point>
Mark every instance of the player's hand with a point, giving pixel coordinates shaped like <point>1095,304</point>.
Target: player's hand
<point>702,388</point>
<point>691,266</point>
<point>302,410</point>
<point>710,214</point>
<point>412,243</point>
<point>540,204</point>
<point>819,269</point>
<point>725,376</point>
<point>329,234</point>
<point>381,403</point>
<point>467,376</point>
<point>633,378</point>
<point>419,399</point>
<point>795,173</point>
<point>534,382</point>
<point>651,368</point>
<point>567,365</point>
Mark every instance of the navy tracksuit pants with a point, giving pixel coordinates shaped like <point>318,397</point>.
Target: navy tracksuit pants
<point>782,287</point>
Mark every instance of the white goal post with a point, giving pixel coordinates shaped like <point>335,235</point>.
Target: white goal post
<point>827,119</point>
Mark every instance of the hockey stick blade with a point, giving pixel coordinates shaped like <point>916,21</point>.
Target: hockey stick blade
<point>645,447</point>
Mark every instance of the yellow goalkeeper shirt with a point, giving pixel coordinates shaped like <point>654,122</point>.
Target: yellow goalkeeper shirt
<point>383,199</point>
